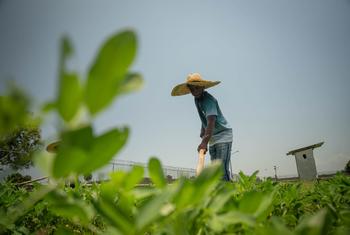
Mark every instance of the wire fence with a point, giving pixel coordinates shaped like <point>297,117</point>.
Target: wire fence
<point>170,172</point>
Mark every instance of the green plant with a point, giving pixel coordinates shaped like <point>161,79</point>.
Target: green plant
<point>17,148</point>
<point>84,150</point>
<point>347,167</point>
<point>17,178</point>
<point>15,111</point>
<point>203,205</point>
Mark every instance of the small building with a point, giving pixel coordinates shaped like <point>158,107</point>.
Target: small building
<point>305,161</point>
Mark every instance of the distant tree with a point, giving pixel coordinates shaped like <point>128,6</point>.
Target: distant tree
<point>88,177</point>
<point>347,167</point>
<point>19,132</point>
<point>17,148</point>
<point>15,111</point>
<point>17,178</point>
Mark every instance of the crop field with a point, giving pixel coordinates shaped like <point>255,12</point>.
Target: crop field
<point>201,205</point>
<point>204,205</point>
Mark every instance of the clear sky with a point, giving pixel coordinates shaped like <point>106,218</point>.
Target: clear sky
<point>284,67</point>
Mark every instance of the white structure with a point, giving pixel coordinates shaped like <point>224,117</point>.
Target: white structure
<point>305,161</point>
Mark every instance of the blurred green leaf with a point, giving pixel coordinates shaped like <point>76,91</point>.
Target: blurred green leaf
<point>221,198</point>
<point>151,211</point>
<point>276,227</point>
<point>86,153</point>
<point>97,100</point>
<point>342,230</point>
<point>115,56</point>
<point>71,208</point>
<point>104,148</point>
<point>257,203</point>
<point>131,82</point>
<point>63,231</point>
<point>184,196</point>
<point>44,162</point>
<point>318,224</point>
<point>70,96</point>
<point>114,216</point>
<point>73,149</point>
<point>70,90</point>
<point>250,202</point>
<point>67,49</point>
<point>209,174</point>
<point>156,173</point>
<point>143,194</point>
<point>110,188</point>
<point>220,222</point>
<point>79,138</point>
<point>265,206</point>
<point>134,177</point>
<point>75,157</point>
<point>71,211</point>
<point>48,107</point>
<point>206,182</point>
<point>109,69</point>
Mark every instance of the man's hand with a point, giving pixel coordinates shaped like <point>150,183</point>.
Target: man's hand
<point>203,146</point>
<point>207,133</point>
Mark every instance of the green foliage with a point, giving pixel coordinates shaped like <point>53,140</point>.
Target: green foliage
<point>19,131</point>
<point>156,173</point>
<point>109,72</point>
<point>15,111</point>
<point>18,147</point>
<point>80,151</point>
<point>70,92</point>
<point>118,206</point>
<point>17,178</point>
<point>85,152</point>
<point>347,167</point>
<point>108,77</point>
<point>203,205</point>
<point>70,96</point>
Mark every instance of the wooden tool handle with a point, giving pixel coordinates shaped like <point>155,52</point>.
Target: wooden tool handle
<point>200,164</point>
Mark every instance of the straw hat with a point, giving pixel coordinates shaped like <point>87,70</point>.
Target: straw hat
<point>194,79</point>
<point>53,147</point>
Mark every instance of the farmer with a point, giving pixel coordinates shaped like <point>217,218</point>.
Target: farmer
<point>215,130</point>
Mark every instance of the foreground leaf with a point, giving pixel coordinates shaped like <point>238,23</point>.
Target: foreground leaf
<point>70,96</point>
<point>109,68</point>
<point>104,148</point>
<point>156,173</point>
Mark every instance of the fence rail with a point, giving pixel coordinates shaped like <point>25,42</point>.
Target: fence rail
<point>169,171</point>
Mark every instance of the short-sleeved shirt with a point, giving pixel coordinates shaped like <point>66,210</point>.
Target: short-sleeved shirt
<point>207,105</point>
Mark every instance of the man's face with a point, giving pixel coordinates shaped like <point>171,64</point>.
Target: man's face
<point>196,91</point>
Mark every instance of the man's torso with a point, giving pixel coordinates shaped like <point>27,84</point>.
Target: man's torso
<point>207,105</point>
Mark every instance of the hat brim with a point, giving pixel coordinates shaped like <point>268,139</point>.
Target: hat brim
<point>182,89</point>
<point>53,147</point>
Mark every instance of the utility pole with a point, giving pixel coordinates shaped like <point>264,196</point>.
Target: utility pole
<point>275,168</point>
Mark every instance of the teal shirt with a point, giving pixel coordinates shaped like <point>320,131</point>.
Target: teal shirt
<point>206,106</point>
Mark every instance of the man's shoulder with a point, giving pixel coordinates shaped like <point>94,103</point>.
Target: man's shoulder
<point>209,97</point>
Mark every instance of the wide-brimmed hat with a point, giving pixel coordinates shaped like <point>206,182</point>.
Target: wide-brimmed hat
<point>194,79</point>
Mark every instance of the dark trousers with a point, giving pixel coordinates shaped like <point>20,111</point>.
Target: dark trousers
<point>222,152</point>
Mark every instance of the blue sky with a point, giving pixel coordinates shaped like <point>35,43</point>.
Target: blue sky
<point>284,68</point>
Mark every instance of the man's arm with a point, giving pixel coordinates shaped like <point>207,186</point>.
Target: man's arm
<point>202,132</point>
<point>208,132</point>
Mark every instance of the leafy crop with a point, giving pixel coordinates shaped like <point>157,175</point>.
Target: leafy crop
<point>204,205</point>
